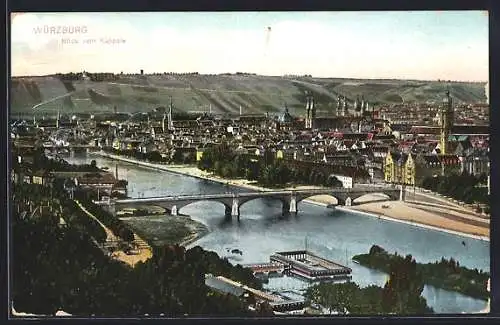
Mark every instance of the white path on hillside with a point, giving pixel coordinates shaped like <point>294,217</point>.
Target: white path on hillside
<point>53,99</point>
<point>110,237</point>
<point>145,251</point>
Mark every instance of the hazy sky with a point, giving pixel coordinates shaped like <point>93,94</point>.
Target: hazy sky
<point>410,45</point>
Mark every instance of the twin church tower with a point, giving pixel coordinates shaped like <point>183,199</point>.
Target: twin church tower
<point>359,106</point>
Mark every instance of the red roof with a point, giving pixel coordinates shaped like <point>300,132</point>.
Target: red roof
<point>449,159</point>
<point>425,130</point>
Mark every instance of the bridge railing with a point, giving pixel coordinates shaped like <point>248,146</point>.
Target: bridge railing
<point>255,194</point>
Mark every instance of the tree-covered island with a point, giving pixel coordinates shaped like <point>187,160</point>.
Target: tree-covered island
<point>444,274</point>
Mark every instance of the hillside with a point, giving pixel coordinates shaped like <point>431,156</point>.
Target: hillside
<point>224,93</point>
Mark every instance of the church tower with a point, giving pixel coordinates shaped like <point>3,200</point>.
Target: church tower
<point>339,105</point>
<point>170,122</point>
<point>446,121</point>
<point>313,112</point>
<point>363,105</point>
<point>308,123</point>
<point>163,122</point>
<point>357,107</point>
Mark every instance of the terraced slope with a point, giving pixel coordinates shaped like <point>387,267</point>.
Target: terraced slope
<point>224,93</point>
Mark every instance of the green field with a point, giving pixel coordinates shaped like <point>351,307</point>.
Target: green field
<point>159,230</point>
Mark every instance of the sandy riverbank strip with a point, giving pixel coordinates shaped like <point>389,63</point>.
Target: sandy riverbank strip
<point>402,212</point>
<point>397,211</point>
<point>144,254</point>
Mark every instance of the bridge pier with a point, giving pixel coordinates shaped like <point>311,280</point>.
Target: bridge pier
<point>348,202</point>
<point>111,207</point>
<point>173,211</point>
<point>235,209</point>
<point>293,205</point>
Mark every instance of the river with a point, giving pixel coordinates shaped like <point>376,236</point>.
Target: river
<point>336,235</point>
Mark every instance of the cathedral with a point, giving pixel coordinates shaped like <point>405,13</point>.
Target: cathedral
<point>343,116</point>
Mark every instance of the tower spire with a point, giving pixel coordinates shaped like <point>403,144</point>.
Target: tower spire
<point>163,121</point>
<point>170,121</point>
<point>308,111</point>
<point>447,120</point>
<point>313,113</point>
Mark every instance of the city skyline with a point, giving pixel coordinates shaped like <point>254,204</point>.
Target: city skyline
<point>364,45</point>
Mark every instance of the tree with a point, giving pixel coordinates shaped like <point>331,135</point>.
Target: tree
<point>154,156</point>
<point>207,160</point>
<point>333,181</point>
<point>402,292</point>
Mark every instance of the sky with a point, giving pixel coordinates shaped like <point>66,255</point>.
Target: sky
<point>427,45</point>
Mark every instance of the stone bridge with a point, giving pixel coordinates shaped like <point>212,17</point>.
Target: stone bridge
<point>233,201</point>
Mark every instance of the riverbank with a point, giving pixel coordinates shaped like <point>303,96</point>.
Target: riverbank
<point>397,211</point>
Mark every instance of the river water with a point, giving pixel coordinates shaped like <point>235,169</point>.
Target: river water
<point>335,235</point>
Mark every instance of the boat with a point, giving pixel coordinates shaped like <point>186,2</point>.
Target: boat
<point>236,251</point>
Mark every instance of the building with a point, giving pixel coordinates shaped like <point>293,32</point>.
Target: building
<point>476,163</point>
<point>430,165</point>
<point>42,177</point>
<point>346,180</point>
<point>224,287</point>
<point>285,120</point>
<point>342,106</point>
<point>100,181</point>
<point>399,168</point>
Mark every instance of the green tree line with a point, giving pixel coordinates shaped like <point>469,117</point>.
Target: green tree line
<point>463,187</point>
<point>178,156</point>
<point>267,170</point>
<point>401,294</point>
<point>60,268</point>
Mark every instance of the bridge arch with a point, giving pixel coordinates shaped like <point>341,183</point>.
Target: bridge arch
<point>323,198</point>
<point>226,205</point>
<point>243,201</point>
<point>373,197</point>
